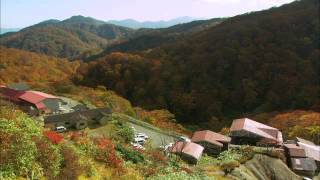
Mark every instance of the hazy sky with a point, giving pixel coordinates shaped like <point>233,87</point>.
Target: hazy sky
<point>22,13</point>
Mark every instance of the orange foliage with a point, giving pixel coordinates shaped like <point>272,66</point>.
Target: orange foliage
<point>162,119</point>
<point>18,65</point>
<point>298,117</point>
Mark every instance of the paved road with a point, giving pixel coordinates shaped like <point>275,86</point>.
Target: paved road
<point>158,137</point>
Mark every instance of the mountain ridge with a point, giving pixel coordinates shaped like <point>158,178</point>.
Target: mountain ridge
<point>69,38</point>
<point>240,66</point>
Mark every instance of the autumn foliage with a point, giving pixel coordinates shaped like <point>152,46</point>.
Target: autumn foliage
<point>107,153</point>
<point>54,137</point>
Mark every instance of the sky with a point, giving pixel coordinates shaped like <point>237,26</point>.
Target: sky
<point>23,13</point>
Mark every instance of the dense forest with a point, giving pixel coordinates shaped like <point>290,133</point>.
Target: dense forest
<point>256,62</point>
<point>23,66</point>
<point>146,39</point>
<point>72,38</point>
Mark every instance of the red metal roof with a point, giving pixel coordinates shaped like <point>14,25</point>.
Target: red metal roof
<point>11,94</point>
<point>211,137</point>
<point>295,151</point>
<point>256,128</point>
<point>35,97</point>
<point>189,148</point>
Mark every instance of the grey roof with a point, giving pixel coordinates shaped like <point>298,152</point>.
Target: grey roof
<point>303,164</point>
<point>19,86</point>
<point>74,116</point>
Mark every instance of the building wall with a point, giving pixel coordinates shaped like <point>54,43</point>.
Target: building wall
<point>210,149</point>
<point>78,119</point>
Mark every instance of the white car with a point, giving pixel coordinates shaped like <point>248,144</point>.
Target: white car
<point>184,139</point>
<point>141,135</point>
<point>139,140</point>
<point>60,129</point>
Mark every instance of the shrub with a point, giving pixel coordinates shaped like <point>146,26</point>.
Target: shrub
<point>106,153</point>
<point>126,133</point>
<point>130,154</point>
<point>71,167</point>
<point>229,165</point>
<point>48,156</point>
<point>310,132</point>
<point>18,151</point>
<point>54,137</point>
<point>158,156</point>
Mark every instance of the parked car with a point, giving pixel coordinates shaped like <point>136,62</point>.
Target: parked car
<point>139,140</point>
<point>141,135</point>
<point>184,139</point>
<point>60,129</point>
<point>138,146</point>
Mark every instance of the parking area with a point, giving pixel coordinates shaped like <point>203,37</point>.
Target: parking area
<point>157,138</point>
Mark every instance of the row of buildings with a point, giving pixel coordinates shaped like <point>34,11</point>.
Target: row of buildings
<point>51,107</point>
<point>302,156</point>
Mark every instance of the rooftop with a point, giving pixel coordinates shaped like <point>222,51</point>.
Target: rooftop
<point>211,137</point>
<point>295,151</point>
<point>312,150</point>
<point>35,97</point>
<point>256,128</point>
<point>189,148</point>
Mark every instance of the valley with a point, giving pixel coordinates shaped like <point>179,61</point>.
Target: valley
<point>224,98</point>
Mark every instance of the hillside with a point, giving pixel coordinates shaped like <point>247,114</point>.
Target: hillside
<point>18,65</point>
<point>252,63</point>
<point>147,39</point>
<point>72,38</point>
<point>262,167</point>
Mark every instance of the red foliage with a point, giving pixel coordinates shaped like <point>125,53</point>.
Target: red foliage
<point>107,153</point>
<point>54,137</point>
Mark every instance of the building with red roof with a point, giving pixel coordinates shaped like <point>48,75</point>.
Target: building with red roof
<point>189,151</point>
<point>10,94</point>
<point>34,102</point>
<point>247,131</point>
<point>44,103</point>
<point>212,142</point>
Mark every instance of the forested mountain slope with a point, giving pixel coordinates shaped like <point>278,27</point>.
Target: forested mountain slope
<point>146,39</point>
<point>71,38</point>
<point>257,62</point>
<point>23,66</point>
